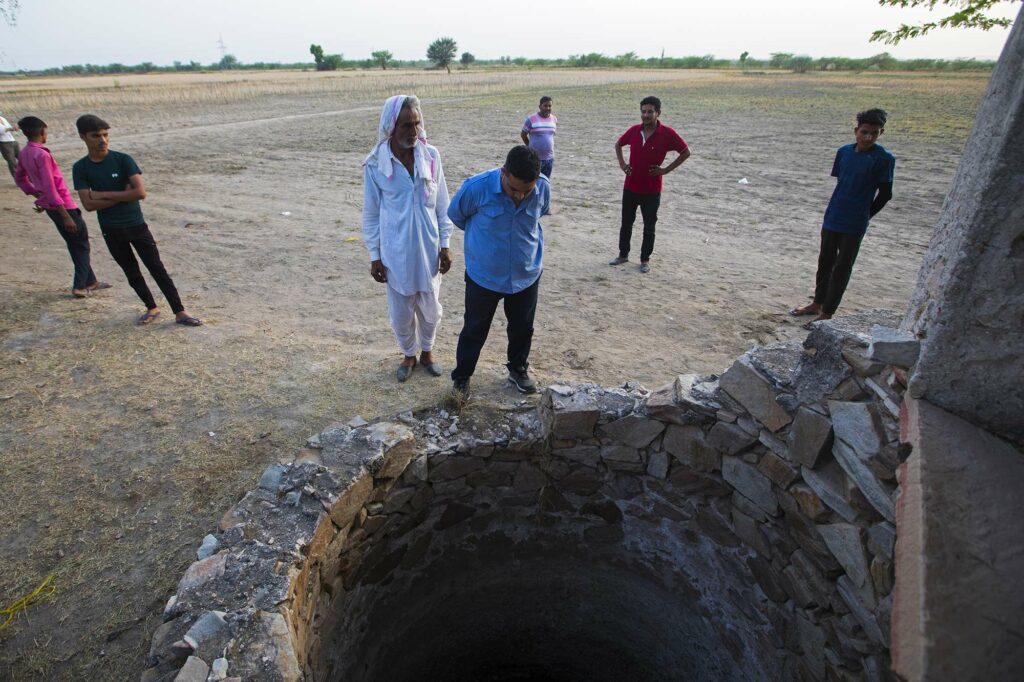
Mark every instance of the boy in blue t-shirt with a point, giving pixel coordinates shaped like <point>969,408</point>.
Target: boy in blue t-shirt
<point>110,183</point>
<point>864,173</point>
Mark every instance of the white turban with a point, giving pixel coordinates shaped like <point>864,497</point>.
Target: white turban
<point>380,155</point>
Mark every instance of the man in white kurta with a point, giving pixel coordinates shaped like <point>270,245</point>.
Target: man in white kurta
<point>406,229</point>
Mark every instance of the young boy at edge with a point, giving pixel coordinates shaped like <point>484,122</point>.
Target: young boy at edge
<point>864,175</point>
<point>110,183</point>
<point>38,175</point>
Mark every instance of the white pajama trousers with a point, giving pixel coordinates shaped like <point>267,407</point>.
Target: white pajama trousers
<point>414,318</point>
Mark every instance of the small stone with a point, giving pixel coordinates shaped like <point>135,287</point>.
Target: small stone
<point>454,513</point>
<point>219,669</point>
<point>844,541</point>
<point>768,578</point>
<point>894,347</point>
<point>859,425</point>
<point>657,465</point>
<point>619,453</point>
<point>810,437</point>
<point>772,443</point>
<point>356,421</point>
<point>882,575</point>
<point>201,572</point>
<point>455,467</point>
<point>861,364</point>
<point>829,483</point>
<point>755,393</point>
<point>797,587</point>
<point>730,439</point>
<point>194,670</point>
<point>882,539</point>
<point>877,494</point>
<point>751,483</point>
<point>633,430</point>
<point>860,610</point>
<point>747,530</point>
<point>569,416</point>
<point>208,547</point>
<point>810,504</point>
<point>689,446</point>
<point>778,470</point>
<point>271,477</point>
<point>528,478</point>
<point>584,454</point>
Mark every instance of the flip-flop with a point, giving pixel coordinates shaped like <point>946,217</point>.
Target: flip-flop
<point>98,285</point>
<point>146,318</point>
<point>403,372</point>
<point>189,321</point>
<point>802,311</point>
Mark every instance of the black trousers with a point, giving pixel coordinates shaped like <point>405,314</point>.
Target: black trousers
<point>120,241</point>
<point>648,204</point>
<point>78,247</point>
<point>481,304</point>
<point>835,263</point>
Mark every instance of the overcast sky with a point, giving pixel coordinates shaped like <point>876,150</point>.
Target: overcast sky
<point>58,32</point>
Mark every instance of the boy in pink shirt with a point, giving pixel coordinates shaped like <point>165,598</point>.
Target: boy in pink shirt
<point>38,175</point>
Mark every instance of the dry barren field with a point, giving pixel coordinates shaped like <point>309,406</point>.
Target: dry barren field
<point>120,446</point>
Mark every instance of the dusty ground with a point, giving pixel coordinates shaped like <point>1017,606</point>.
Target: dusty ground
<point>120,446</point>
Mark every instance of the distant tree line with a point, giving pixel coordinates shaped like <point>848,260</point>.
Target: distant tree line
<point>782,61</point>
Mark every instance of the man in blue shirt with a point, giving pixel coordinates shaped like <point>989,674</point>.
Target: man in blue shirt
<point>500,210</point>
<point>864,172</point>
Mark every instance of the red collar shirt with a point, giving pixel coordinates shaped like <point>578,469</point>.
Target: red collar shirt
<point>646,153</point>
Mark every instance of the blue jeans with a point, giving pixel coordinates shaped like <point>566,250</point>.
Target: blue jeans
<point>546,166</point>
<point>78,246</point>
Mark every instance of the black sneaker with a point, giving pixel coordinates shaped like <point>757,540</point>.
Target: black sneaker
<point>522,380</point>
<point>460,387</point>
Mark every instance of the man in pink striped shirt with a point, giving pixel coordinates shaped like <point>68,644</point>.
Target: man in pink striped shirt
<point>38,175</point>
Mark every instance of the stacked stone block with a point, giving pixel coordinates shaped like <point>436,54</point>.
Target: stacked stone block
<point>770,489</point>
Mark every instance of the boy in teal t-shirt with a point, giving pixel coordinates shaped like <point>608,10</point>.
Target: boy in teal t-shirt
<point>110,183</point>
<point>864,175</point>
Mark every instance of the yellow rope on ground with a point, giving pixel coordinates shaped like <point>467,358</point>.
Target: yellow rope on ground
<point>44,590</point>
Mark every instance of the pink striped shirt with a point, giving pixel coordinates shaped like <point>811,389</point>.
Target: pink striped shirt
<point>38,173</point>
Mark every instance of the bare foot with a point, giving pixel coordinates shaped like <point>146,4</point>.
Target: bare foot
<point>80,293</point>
<point>809,309</point>
<point>819,318</point>
<point>427,357</point>
<point>409,361</point>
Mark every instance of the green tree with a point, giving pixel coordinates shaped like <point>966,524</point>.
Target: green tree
<point>780,60</point>
<point>972,14</point>
<point>318,56</point>
<point>333,62</point>
<point>801,63</point>
<point>442,52</point>
<point>743,58</point>
<point>228,61</point>
<point>382,57</point>
<point>467,59</point>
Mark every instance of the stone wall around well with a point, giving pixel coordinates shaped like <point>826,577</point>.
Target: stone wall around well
<point>772,487</point>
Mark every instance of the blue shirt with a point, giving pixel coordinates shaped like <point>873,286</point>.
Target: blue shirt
<point>859,176</point>
<point>504,245</point>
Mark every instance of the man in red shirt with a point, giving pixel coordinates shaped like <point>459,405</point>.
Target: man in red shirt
<point>649,143</point>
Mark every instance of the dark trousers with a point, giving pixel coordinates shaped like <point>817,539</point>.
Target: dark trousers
<point>120,241</point>
<point>835,263</point>
<point>481,304</point>
<point>546,167</point>
<point>9,150</point>
<point>78,247</point>
<point>648,204</point>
